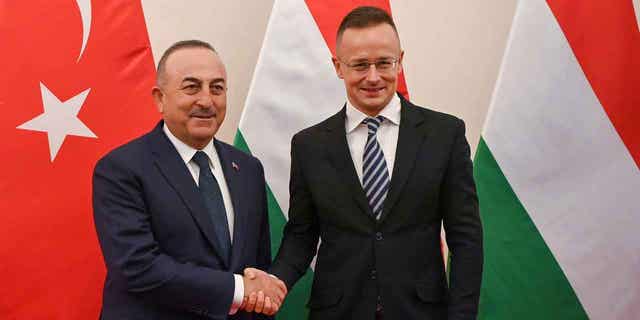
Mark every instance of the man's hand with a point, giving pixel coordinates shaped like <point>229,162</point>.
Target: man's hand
<point>263,293</point>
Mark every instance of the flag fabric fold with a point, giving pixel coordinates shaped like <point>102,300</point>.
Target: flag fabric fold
<point>557,166</point>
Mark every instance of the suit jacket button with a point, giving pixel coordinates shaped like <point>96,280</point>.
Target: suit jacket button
<point>373,274</point>
<point>378,236</point>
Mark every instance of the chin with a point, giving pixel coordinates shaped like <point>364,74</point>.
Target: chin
<point>378,97</point>
<point>203,133</point>
<point>374,104</point>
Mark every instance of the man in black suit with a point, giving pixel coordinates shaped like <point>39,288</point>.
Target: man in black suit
<point>375,182</point>
<point>179,214</point>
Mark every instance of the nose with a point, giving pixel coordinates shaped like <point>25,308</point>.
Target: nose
<point>372,74</point>
<point>205,99</point>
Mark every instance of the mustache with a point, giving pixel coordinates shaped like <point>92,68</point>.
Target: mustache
<point>204,113</point>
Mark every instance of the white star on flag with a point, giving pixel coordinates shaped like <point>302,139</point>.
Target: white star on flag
<point>59,119</point>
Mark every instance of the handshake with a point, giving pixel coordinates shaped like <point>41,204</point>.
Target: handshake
<point>263,292</point>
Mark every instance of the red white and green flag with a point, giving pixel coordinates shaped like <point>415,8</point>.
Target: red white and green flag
<point>557,167</point>
<point>294,86</point>
<point>74,83</point>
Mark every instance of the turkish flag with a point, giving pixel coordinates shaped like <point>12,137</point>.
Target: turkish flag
<point>75,82</point>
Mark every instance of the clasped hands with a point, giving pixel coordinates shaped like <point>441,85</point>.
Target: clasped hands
<point>263,293</point>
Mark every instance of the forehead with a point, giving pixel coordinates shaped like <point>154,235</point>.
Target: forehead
<point>199,63</point>
<point>377,39</point>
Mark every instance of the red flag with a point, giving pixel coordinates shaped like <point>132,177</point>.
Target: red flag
<point>76,80</point>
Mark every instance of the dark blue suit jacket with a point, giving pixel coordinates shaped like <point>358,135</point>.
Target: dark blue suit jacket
<point>158,240</point>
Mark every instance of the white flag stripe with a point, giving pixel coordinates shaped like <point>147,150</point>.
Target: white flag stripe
<point>308,90</point>
<point>567,165</point>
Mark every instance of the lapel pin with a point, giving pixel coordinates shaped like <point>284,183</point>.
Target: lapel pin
<point>235,166</point>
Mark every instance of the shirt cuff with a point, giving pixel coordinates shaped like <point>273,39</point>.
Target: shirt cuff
<point>238,294</point>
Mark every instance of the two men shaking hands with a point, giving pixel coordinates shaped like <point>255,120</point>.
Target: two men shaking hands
<point>182,217</point>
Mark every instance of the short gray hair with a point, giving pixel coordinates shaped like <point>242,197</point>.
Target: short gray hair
<point>184,44</point>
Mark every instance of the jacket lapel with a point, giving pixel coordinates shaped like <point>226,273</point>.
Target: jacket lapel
<point>177,174</point>
<point>410,137</point>
<point>237,188</point>
<point>340,156</point>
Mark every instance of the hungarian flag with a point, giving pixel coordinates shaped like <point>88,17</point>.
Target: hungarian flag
<point>558,166</point>
<point>294,86</point>
<point>75,82</point>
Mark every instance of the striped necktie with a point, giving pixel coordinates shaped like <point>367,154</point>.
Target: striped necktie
<point>375,175</point>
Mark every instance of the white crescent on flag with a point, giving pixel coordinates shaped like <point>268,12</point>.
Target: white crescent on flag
<point>636,8</point>
<point>85,13</point>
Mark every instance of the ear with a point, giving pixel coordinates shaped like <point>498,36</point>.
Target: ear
<point>158,97</point>
<point>338,67</point>
<point>400,70</point>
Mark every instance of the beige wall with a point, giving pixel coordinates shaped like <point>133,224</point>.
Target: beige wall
<point>453,48</point>
<point>234,28</point>
<point>453,52</point>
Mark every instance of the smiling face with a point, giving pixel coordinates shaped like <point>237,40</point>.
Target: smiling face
<point>192,95</point>
<point>372,89</point>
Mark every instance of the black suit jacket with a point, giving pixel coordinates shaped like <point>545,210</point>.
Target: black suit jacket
<point>158,240</point>
<point>397,258</point>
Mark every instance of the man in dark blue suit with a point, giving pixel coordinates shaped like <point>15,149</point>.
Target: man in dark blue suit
<point>179,214</point>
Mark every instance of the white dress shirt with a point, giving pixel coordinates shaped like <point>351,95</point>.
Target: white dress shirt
<point>186,152</point>
<point>387,134</point>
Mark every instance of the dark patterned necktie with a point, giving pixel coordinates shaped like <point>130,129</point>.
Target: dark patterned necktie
<point>212,195</point>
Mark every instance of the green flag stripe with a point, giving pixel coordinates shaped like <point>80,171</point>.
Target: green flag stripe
<point>276,218</point>
<point>295,304</point>
<point>521,278</point>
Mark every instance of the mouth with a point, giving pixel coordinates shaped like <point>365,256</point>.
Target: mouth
<point>372,90</point>
<point>203,115</point>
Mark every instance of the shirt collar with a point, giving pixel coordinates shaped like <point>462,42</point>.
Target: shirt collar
<point>187,152</point>
<point>390,112</point>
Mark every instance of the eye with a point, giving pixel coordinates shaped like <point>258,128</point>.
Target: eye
<point>191,88</point>
<point>217,89</point>
<point>384,64</point>
<point>360,66</point>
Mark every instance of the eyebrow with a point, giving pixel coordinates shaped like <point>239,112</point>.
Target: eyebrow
<point>193,79</point>
<point>377,59</point>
